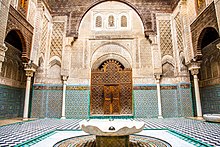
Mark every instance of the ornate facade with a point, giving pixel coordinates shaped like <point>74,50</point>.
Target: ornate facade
<point>121,58</point>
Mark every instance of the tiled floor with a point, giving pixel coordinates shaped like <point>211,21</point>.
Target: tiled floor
<point>23,132</point>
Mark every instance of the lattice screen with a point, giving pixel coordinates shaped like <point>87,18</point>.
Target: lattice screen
<point>44,35</point>
<point>57,39</point>
<point>166,45</point>
<point>179,32</point>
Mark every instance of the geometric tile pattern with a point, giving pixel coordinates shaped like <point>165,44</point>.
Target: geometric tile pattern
<point>205,132</point>
<point>77,103</point>
<point>38,104</point>
<point>57,39</point>
<point>166,45</point>
<point>18,133</point>
<point>145,104</point>
<point>169,103</point>
<point>24,132</point>
<point>11,101</point>
<point>210,99</point>
<point>46,103</point>
<point>176,101</point>
<point>185,101</point>
<point>54,103</point>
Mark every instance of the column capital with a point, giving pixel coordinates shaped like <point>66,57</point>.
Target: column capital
<point>64,77</point>
<point>193,65</point>
<point>30,68</point>
<point>152,38</point>
<point>194,71</point>
<point>157,76</point>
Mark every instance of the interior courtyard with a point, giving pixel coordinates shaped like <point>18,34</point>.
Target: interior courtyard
<point>64,61</point>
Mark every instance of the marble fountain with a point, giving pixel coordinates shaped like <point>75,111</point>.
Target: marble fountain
<point>112,132</point>
<point>212,117</point>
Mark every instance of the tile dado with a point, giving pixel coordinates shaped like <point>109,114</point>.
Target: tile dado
<point>185,86</point>
<point>60,87</point>
<point>11,101</point>
<point>162,87</point>
<point>144,87</point>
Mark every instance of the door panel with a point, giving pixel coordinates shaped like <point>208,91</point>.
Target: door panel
<point>111,100</point>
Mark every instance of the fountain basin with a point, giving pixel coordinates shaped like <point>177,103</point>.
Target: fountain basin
<point>118,127</point>
<point>212,117</point>
<point>112,133</point>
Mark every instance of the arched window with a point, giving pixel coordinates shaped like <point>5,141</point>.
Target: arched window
<point>168,70</point>
<point>124,22</point>
<point>98,22</point>
<point>111,21</point>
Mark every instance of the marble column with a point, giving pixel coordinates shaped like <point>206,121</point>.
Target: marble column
<point>195,72</point>
<point>64,78</point>
<point>29,73</point>
<point>157,77</point>
<point>194,67</point>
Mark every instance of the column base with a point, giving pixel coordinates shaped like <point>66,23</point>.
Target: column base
<point>24,119</point>
<point>160,116</point>
<point>63,117</point>
<point>199,117</point>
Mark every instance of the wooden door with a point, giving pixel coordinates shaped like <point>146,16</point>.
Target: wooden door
<point>111,99</point>
<point>111,89</point>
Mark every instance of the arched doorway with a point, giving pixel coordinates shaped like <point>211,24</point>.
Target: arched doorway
<point>209,75</point>
<point>14,76</point>
<point>111,89</point>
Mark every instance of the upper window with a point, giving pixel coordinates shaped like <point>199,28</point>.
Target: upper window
<point>98,22</point>
<point>124,21</point>
<point>111,21</point>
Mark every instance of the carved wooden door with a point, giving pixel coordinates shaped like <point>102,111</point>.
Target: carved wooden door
<point>111,89</point>
<point>111,99</point>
